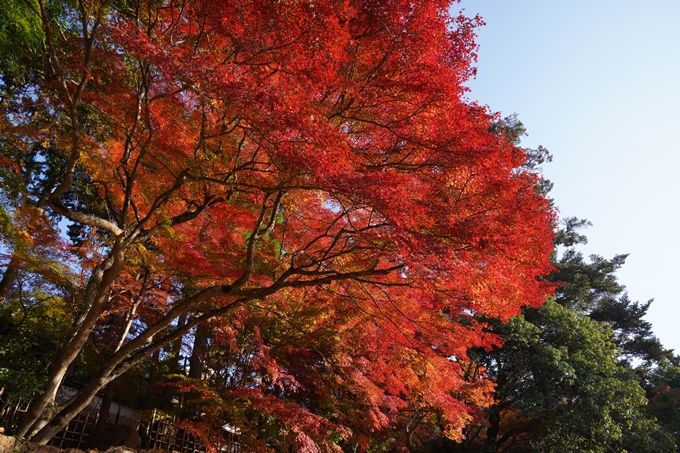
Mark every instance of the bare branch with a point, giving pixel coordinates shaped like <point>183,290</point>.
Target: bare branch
<point>85,219</point>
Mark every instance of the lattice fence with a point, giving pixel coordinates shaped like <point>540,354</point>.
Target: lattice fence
<point>158,434</point>
<point>167,435</point>
<point>78,432</point>
<point>75,435</point>
<point>10,411</point>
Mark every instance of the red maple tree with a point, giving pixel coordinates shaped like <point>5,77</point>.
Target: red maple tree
<point>250,153</point>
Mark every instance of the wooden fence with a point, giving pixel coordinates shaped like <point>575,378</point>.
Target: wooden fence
<point>78,433</point>
<point>167,435</point>
<point>10,411</point>
<point>156,433</point>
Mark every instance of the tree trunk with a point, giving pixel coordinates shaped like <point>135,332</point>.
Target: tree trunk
<point>8,279</point>
<point>127,357</point>
<point>196,365</point>
<point>42,408</point>
<point>176,346</point>
<point>49,428</point>
<point>494,427</point>
<point>39,411</point>
<point>113,368</point>
<point>107,399</point>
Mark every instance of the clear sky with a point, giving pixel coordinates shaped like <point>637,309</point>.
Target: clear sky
<point>597,82</point>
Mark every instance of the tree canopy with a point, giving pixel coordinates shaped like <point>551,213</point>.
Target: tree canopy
<point>560,388</point>
<point>303,179</point>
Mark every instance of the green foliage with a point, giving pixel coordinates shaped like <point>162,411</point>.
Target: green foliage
<point>563,377</point>
<point>663,390</point>
<point>21,38</point>
<point>32,325</point>
<point>590,287</point>
<point>513,130</point>
<point>511,127</point>
<point>560,389</point>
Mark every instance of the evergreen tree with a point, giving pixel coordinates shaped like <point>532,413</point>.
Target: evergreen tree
<point>560,388</point>
<point>591,288</point>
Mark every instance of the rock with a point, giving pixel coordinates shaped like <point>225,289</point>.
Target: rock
<point>117,436</point>
<point>7,444</point>
<point>72,450</point>
<point>22,446</point>
<point>43,449</point>
<point>120,449</point>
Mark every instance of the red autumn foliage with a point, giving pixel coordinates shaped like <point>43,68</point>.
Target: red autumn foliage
<point>256,156</point>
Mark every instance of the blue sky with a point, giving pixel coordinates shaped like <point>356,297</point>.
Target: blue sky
<point>598,83</point>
